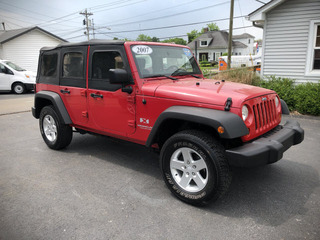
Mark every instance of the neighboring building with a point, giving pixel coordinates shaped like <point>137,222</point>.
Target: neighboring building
<point>291,38</point>
<point>22,46</point>
<point>211,45</point>
<point>246,39</point>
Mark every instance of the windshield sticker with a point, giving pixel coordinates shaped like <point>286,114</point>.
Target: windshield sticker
<point>187,52</point>
<point>142,49</point>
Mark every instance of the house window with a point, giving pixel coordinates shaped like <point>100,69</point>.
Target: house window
<point>203,43</point>
<point>217,56</point>
<point>239,53</point>
<point>249,41</point>
<point>313,57</point>
<point>316,58</point>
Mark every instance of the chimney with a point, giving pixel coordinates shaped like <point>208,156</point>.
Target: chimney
<point>206,29</point>
<point>4,26</point>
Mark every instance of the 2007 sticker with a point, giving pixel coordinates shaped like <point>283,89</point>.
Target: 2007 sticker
<point>142,49</point>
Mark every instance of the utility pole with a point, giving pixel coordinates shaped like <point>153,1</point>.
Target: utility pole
<point>230,34</point>
<point>86,21</point>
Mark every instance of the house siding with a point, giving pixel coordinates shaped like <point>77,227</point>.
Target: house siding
<point>24,50</point>
<point>286,39</point>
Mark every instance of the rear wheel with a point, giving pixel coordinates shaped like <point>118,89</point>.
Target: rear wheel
<point>195,167</point>
<point>54,132</point>
<point>19,88</point>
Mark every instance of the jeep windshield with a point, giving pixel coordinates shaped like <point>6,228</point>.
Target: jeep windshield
<point>164,61</point>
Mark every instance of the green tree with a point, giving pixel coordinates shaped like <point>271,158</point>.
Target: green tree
<point>155,39</point>
<point>212,27</point>
<point>193,35</point>
<point>143,37</point>
<point>180,41</point>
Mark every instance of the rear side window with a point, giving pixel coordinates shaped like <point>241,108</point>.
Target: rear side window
<point>49,65</point>
<point>73,65</point>
<point>73,68</point>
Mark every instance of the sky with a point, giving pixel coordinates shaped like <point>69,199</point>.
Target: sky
<point>128,18</point>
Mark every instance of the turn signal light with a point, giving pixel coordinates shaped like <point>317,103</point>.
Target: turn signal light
<point>220,129</point>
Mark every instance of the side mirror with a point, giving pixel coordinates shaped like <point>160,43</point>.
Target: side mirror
<point>118,76</point>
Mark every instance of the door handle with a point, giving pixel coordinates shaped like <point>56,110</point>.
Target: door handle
<point>64,91</point>
<point>96,95</point>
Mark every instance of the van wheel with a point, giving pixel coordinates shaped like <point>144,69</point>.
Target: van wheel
<point>55,134</point>
<point>19,88</point>
<point>195,167</point>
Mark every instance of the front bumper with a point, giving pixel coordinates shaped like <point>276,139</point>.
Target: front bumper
<point>269,148</point>
<point>29,86</point>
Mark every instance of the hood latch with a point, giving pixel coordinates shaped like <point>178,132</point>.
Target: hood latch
<point>228,104</point>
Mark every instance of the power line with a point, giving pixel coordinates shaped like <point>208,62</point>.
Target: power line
<point>177,36</point>
<point>220,30</point>
<point>160,10</point>
<point>171,15</point>
<point>173,26</point>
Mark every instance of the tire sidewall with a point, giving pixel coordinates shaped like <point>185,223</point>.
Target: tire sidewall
<point>45,112</point>
<point>205,152</point>
<point>21,85</point>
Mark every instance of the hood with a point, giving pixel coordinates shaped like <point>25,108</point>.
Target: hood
<point>203,91</point>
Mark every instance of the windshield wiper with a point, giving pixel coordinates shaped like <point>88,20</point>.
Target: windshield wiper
<point>185,74</point>
<point>162,75</point>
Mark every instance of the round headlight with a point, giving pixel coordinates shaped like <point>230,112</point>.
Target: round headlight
<point>245,112</point>
<point>277,101</point>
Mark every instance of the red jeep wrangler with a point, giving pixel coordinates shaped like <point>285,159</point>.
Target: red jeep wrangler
<point>155,94</point>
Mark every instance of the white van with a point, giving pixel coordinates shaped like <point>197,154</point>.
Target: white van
<point>16,79</point>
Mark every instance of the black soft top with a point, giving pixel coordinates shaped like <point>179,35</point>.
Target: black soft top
<point>85,43</point>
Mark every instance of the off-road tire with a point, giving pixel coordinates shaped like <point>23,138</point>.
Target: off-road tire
<point>203,147</point>
<point>54,132</point>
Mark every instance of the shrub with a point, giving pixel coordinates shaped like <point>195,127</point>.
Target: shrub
<point>241,75</point>
<point>307,98</point>
<point>205,64</point>
<point>284,87</point>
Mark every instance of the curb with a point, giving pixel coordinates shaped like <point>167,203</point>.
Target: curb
<point>302,117</point>
<point>4,114</point>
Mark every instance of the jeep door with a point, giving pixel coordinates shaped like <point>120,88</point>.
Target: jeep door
<point>73,85</point>
<point>110,109</point>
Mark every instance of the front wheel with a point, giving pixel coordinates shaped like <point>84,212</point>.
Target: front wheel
<point>54,132</point>
<point>19,88</point>
<point>195,167</point>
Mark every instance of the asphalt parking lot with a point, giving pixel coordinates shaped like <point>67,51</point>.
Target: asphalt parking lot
<point>101,188</point>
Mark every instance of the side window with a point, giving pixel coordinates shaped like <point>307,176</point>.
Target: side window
<point>73,69</point>
<point>73,65</point>
<point>102,62</point>
<point>49,65</point>
<point>3,69</point>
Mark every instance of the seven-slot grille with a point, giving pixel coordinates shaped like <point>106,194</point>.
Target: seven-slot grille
<point>264,114</point>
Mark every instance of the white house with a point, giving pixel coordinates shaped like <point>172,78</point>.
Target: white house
<point>22,46</point>
<point>248,40</point>
<point>211,45</point>
<point>291,38</point>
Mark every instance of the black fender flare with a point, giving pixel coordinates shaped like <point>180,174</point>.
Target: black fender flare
<point>233,125</point>
<point>56,101</point>
<point>284,107</point>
